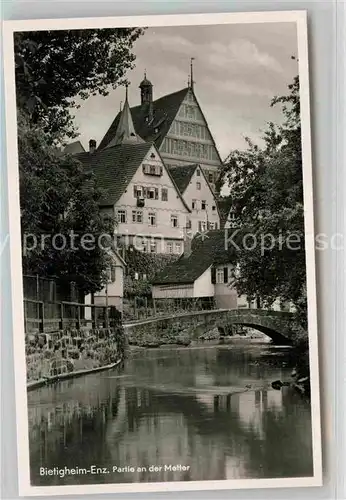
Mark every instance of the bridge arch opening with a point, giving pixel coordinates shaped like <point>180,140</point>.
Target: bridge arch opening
<point>277,337</point>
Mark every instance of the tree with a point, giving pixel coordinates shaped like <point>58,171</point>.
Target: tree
<point>267,195</point>
<point>60,217</point>
<point>54,67</point>
<point>60,214</point>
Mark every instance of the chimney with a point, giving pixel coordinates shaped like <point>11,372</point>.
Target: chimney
<point>92,146</point>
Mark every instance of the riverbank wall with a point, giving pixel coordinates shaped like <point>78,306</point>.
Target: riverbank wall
<point>71,352</point>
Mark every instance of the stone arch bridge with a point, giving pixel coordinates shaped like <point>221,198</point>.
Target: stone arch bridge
<point>279,326</point>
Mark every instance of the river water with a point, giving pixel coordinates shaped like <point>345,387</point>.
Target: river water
<point>198,413</point>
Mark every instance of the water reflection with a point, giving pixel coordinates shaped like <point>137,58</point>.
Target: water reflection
<point>173,407</point>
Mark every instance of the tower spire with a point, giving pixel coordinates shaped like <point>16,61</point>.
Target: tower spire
<point>191,73</point>
<point>125,133</point>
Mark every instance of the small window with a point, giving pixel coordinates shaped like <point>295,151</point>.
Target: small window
<point>194,205</point>
<point>174,220</point>
<point>219,276</point>
<point>137,192</point>
<point>213,207</point>
<point>203,205</point>
<point>137,216</point>
<point>110,274</point>
<point>152,219</point>
<point>198,186</point>
<point>136,276</point>
<point>202,226</point>
<point>153,247</point>
<point>210,177</point>
<point>152,155</point>
<point>178,247</point>
<point>164,194</point>
<point>198,172</point>
<point>188,224</point>
<point>144,246</point>
<point>169,247</point>
<point>121,216</point>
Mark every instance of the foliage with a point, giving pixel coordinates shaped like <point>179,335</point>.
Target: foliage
<point>54,71</point>
<point>57,198</point>
<point>266,187</point>
<point>53,68</point>
<point>144,264</point>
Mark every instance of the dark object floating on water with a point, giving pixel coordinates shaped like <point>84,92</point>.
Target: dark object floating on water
<point>277,384</point>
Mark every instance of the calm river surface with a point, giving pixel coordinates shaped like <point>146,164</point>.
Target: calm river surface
<point>209,409</point>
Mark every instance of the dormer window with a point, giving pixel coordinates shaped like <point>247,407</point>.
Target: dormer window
<point>152,169</point>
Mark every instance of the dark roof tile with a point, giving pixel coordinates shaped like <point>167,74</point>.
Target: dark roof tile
<point>182,175</point>
<point>114,167</point>
<point>207,249</point>
<point>165,109</point>
<point>74,148</point>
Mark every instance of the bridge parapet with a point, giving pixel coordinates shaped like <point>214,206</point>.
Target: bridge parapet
<point>279,326</point>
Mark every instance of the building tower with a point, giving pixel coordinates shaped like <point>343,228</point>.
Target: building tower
<point>147,97</point>
<point>146,90</point>
<point>125,132</point>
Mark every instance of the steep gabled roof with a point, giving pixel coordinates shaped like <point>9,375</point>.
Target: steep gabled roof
<point>165,110</point>
<point>182,175</point>
<point>207,249</point>
<point>114,167</point>
<point>73,148</point>
<point>125,132</point>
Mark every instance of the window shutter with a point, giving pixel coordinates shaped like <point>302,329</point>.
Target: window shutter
<point>112,274</point>
<point>156,193</point>
<point>225,274</point>
<point>144,192</point>
<point>213,275</point>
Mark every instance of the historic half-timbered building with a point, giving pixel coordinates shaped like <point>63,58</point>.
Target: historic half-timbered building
<point>177,126</point>
<point>140,191</point>
<point>199,196</point>
<point>158,165</point>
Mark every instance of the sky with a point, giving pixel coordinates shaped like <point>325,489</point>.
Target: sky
<point>238,69</point>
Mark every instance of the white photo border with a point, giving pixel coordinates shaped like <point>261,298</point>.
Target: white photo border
<point>10,27</point>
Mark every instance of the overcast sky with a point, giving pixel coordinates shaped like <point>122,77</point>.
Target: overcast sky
<point>237,71</point>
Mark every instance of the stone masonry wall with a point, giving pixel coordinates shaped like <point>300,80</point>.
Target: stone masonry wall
<point>184,328</point>
<point>70,350</point>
